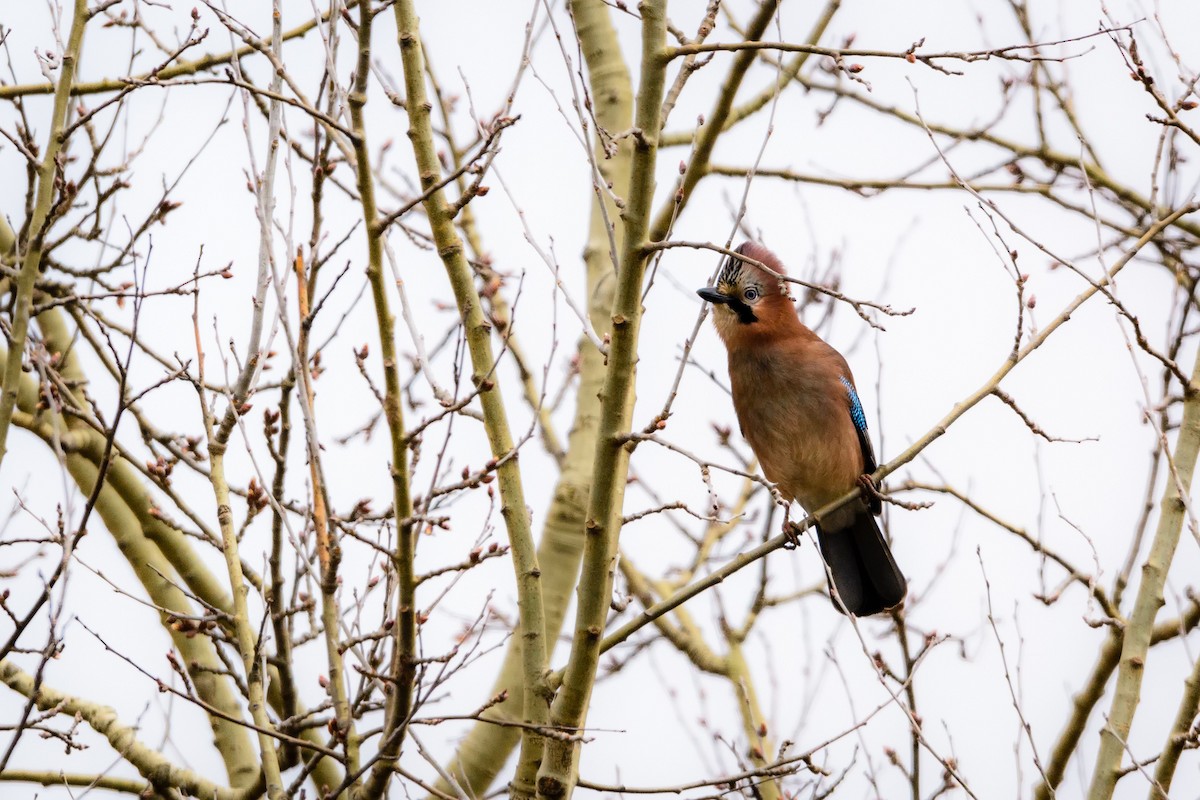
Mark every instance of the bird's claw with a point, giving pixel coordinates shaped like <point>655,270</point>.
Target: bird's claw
<point>793,532</point>
<point>870,494</point>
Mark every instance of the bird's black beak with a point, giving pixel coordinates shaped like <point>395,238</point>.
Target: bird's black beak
<point>713,296</point>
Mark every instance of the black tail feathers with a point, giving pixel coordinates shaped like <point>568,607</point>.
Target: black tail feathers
<point>862,567</point>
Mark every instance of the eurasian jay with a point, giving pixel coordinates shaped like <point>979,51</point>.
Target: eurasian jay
<point>797,407</point>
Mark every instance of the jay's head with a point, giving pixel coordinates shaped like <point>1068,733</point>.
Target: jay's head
<point>749,302</point>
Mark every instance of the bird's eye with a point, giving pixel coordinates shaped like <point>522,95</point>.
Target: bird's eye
<point>750,294</point>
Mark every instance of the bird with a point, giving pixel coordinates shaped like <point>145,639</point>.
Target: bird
<point>798,409</point>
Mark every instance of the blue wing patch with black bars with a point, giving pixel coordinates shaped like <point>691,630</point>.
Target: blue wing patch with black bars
<point>856,409</point>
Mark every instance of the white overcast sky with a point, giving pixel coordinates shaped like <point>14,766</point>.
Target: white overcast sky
<point>907,249</point>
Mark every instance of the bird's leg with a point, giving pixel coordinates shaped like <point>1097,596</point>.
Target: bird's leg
<point>870,494</point>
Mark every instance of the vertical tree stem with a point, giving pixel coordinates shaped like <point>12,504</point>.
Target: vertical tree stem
<point>328,551</point>
<point>36,232</point>
<point>485,749</point>
<point>247,641</point>
<point>1140,626</point>
<point>1189,707</point>
<point>404,650</point>
<point>557,775</point>
<point>470,308</point>
<point>284,683</point>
